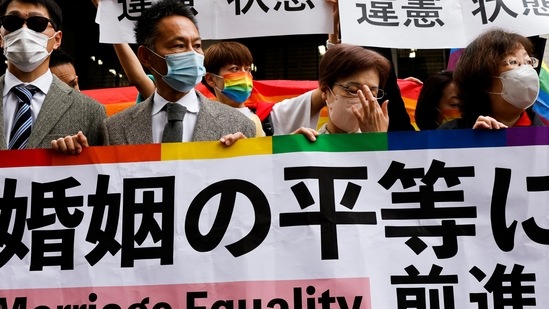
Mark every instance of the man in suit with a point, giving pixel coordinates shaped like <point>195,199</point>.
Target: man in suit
<point>38,110</point>
<point>170,46</point>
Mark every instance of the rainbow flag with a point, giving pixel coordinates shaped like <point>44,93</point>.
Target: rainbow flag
<point>541,107</point>
<point>114,99</point>
<point>265,91</point>
<point>455,53</point>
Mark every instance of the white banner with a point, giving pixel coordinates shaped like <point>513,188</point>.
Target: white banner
<point>224,19</point>
<point>437,23</point>
<point>337,224</point>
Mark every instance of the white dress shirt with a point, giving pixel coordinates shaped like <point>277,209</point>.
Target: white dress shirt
<point>10,101</point>
<point>160,117</point>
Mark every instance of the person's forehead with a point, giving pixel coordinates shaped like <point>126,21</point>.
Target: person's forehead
<point>519,52</point>
<point>177,26</point>
<point>65,69</point>
<point>26,9</point>
<point>367,77</point>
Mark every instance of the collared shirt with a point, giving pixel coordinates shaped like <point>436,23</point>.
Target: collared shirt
<point>10,102</point>
<point>160,117</point>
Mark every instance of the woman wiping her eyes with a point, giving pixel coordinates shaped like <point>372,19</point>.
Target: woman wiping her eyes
<point>351,79</point>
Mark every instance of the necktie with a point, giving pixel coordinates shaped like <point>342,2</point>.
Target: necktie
<point>173,131</point>
<point>22,123</point>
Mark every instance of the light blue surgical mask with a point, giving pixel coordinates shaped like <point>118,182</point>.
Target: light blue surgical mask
<point>185,70</point>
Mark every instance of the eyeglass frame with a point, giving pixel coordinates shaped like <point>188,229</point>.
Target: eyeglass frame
<point>346,88</point>
<point>25,21</point>
<point>534,62</point>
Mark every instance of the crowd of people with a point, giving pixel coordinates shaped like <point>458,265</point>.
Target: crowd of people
<point>494,86</point>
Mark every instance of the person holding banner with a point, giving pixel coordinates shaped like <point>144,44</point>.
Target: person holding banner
<point>497,83</point>
<point>170,46</point>
<point>400,119</point>
<point>229,78</point>
<point>39,110</point>
<point>351,79</point>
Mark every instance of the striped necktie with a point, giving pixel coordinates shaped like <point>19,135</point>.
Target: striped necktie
<point>22,123</point>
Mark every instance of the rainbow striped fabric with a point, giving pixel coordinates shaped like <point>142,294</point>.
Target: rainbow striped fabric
<point>541,107</point>
<point>266,91</point>
<point>392,141</point>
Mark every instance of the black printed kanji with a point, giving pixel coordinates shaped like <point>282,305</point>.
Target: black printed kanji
<point>499,4</point>
<point>504,235</point>
<point>427,197</point>
<point>132,9</point>
<point>423,13</point>
<point>418,297</point>
<point>11,241</point>
<point>508,290</point>
<point>228,189</point>
<point>103,202</point>
<point>294,5</point>
<point>327,218</point>
<point>140,203</point>
<point>381,13</point>
<point>54,247</point>
<point>238,10</point>
<point>538,7</point>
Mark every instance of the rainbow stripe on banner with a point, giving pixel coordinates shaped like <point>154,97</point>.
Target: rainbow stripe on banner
<point>392,141</point>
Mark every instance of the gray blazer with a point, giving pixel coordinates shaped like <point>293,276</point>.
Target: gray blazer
<point>65,111</point>
<point>134,124</point>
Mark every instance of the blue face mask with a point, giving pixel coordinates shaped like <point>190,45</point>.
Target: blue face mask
<point>185,70</point>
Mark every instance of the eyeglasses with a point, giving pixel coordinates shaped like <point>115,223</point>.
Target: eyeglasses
<point>352,90</point>
<point>13,22</point>
<point>514,62</point>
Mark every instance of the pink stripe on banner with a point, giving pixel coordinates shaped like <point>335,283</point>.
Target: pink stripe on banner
<point>350,293</point>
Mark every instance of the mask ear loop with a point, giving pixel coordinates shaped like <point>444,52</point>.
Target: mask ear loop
<point>218,76</point>
<point>502,86</point>
<point>333,96</point>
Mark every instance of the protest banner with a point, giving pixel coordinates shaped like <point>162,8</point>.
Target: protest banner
<point>381,23</point>
<point>436,24</point>
<point>439,219</point>
<point>222,19</point>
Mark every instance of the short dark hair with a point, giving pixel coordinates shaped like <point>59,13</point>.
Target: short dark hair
<point>427,112</point>
<point>221,54</point>
<point>54,11</point>
<point>59,57</point>
<point>343,60</point>
<point>478,64</point>
<point>146,25</point>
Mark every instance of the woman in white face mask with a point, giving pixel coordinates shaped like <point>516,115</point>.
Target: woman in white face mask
<point>351,79</point>
<point>497,83</point>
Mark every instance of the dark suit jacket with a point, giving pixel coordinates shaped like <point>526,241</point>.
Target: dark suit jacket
<point>134,124</point>
<point>65,111</point>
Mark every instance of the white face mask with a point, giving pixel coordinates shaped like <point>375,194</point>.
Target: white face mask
<point>341,112</point>
<point>520,86</point>
<point>26,48</point>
